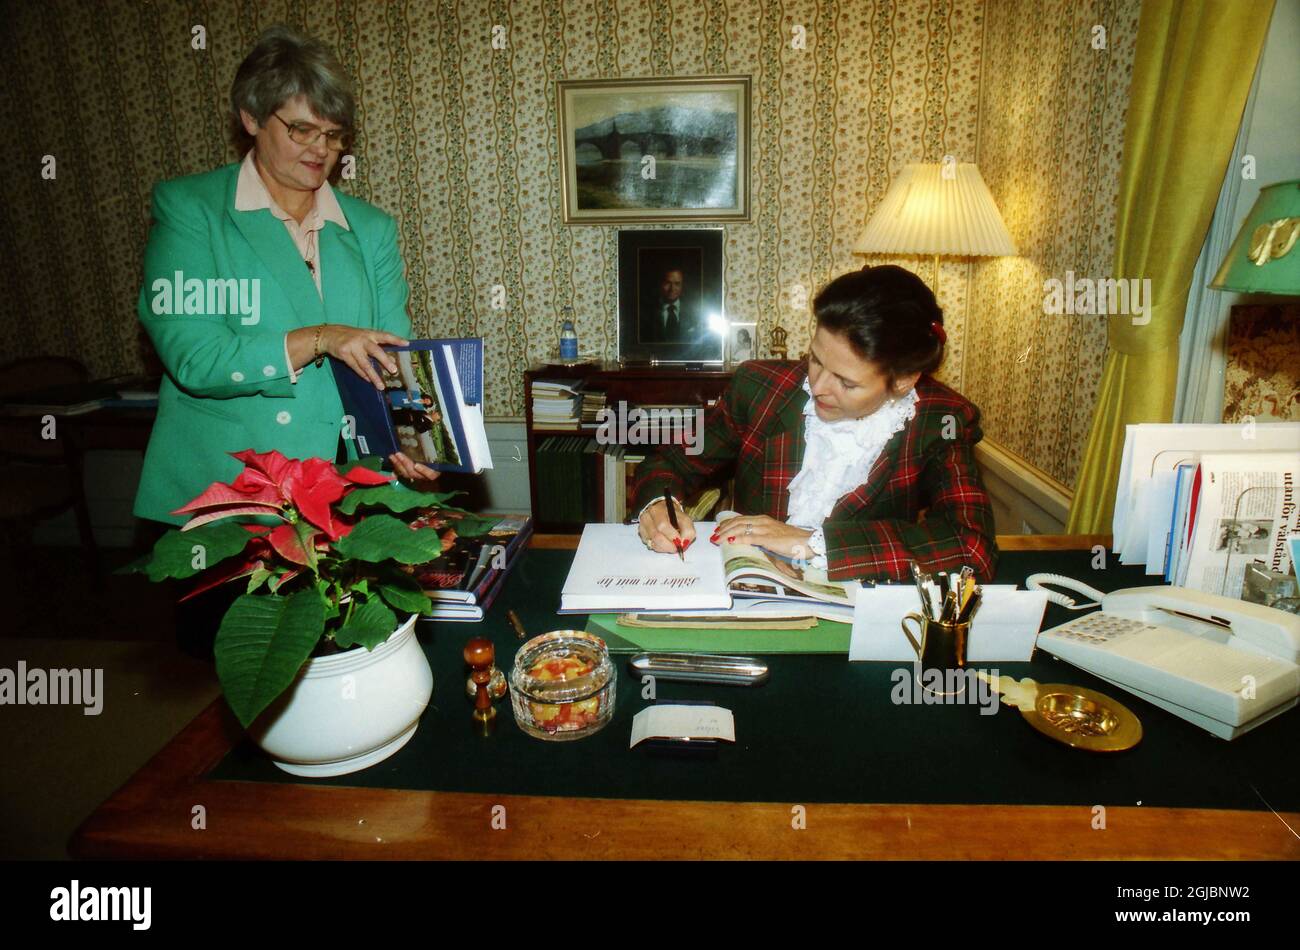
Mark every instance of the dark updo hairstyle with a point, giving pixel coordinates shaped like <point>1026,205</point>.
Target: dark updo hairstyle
<point>888,315</point>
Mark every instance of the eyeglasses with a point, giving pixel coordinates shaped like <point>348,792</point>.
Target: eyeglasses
<point>336,140</point>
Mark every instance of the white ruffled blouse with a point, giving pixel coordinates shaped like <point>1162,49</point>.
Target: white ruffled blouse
<point>837,459</point>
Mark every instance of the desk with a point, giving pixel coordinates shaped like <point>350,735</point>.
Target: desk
<point>274,816</point>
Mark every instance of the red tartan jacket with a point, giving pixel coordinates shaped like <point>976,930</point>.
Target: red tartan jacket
<point>923,499</point>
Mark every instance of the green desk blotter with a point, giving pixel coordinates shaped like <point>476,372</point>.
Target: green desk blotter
<point>827,637</point>
<point>821,730</point>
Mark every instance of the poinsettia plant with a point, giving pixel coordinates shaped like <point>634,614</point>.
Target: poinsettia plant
<point>320,550</point>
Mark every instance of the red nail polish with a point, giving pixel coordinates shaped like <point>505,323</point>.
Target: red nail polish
<point>731,539</point>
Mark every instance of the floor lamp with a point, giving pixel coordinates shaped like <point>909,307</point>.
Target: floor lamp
<point>937,209</point>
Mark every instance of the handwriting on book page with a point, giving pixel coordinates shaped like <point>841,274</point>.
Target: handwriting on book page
<point>625,582</point>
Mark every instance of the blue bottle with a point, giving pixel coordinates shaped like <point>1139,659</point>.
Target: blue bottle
<point>568,338</point>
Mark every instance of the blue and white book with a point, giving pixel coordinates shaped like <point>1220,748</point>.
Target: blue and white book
<point>431,409</point>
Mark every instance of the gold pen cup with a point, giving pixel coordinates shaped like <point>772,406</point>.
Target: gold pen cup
<point>939,646</point>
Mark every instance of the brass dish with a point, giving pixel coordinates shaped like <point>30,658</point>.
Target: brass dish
<point>1083,719</point>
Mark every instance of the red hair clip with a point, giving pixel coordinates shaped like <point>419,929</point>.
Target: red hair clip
<point>937,327</point>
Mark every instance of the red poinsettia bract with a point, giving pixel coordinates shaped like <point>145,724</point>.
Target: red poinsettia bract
<point>271,483</point>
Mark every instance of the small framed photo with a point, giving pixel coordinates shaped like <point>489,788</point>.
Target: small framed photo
<point>742,342</point>
<point>654,150</point>
<point>670,296</point>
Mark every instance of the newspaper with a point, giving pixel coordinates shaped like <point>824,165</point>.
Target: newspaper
<point>1246,509</point>
<point>1151,448</point>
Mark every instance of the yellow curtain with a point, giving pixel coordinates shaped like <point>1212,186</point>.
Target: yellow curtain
<point>1191,74</point>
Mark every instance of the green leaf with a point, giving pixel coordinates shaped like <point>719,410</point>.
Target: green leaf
<point>281,578</point>
<point>331,608</point>
<point>262,644</point>
<point>473,526</point>
<point>259,577</point>
<point>381,537</point>
<point>394,497</point>
<point>372,462</point>
<point>370,624</point>
<point>406,600</point>
<point>186,553</point>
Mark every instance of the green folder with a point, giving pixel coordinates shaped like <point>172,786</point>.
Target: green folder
<point>827,637</point>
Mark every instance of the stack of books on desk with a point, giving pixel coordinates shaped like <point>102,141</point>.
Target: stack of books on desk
<point>464,581</point>
<point>557,403</point>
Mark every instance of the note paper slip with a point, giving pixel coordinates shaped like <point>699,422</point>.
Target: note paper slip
<point>683,722</point>
<point>1004,629</point>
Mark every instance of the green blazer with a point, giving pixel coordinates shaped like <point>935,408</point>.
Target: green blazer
<point>226,386</point>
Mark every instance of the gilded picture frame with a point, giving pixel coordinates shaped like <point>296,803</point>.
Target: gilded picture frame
<point>650,151</point>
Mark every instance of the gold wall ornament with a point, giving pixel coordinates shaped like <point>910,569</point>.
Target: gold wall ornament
<point>777,343</point>
<point>1273,240</point>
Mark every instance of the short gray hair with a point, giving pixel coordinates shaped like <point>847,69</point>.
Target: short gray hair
<point>286,63</point>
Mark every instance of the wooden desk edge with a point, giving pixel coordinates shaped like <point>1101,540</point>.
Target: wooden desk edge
<point>152,816</point>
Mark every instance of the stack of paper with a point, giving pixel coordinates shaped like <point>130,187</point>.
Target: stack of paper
<point>1161,518</point>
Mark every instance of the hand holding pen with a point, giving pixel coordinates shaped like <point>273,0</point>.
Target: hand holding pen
<point>666,528</point>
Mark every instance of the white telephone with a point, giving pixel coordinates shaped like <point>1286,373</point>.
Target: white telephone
<point>1226,665</point>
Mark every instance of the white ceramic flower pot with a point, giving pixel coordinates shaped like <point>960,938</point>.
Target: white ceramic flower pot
<point>348,711</point>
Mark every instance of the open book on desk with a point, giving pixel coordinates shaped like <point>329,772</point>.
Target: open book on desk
<point>613,571</point>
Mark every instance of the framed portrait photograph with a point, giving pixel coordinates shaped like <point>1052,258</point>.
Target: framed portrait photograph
<point>670,296</point>
<point>742,342</point>
<point>654,150</point>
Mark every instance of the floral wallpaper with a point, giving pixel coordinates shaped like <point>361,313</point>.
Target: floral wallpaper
<point>1056,76</point>
<point>458,142</point>
<point>1262,377</point>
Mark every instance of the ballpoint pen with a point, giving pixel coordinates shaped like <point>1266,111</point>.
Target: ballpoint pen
<point>672,520</point>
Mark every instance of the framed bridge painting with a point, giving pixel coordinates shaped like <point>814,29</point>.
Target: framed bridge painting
<point>654,150</point>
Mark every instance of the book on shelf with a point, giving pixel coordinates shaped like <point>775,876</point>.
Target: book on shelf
<point>617,470</point>
<point>557,403</point>
<point>613,571</point>
<point>431,409</point>
<point>591,407</point>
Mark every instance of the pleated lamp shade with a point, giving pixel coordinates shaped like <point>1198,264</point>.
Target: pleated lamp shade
<point>925,213</point>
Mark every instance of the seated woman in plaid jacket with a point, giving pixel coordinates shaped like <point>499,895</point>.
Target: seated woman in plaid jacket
<point>857,460</point>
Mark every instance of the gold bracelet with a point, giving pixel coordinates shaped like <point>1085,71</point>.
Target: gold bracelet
<point>316,354</point>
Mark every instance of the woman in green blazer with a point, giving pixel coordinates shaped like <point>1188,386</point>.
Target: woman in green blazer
<point>257,271</point>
